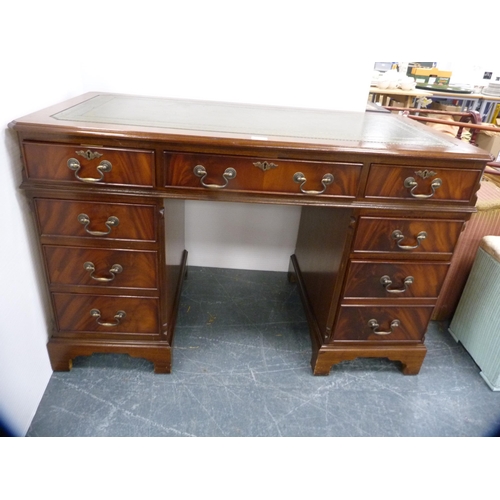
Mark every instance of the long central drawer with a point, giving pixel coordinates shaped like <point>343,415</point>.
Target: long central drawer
<point>262,175</point>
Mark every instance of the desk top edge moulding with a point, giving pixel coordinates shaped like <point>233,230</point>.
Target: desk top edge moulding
<point>150,117</point>
<point>383,202</point>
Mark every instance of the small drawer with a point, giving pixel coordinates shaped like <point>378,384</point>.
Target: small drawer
<point>101,267</point>
<point>406,236</point>
<point>421,184</point>
<point>89,165</point>
<point>85,219</point>
<point>213,172</point>
<point>394,280</point>
<point>359,323</point>
<point>106,314</point>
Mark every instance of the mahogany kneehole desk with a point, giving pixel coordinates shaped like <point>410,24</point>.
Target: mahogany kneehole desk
<point>383,199</point>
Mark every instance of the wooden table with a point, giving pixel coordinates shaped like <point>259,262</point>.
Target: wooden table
<point>384,96</point>
<point>485,103</point>
<point>468,101</point>
<point>383,202</point>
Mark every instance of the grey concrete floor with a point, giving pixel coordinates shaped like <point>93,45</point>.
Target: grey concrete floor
<point>241,368</point>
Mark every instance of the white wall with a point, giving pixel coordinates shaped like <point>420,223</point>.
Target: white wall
<point>271,52</point>
<point>34,75</point>
<point>256,51</point>
<point>471,72</point>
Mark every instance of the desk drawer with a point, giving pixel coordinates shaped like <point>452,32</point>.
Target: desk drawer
<point>106,314</point>
<point>84,165</point>
<point>380,324</point>
<point>417,183</point>
<point>85,219</point>
<point>258,174</point>
<point>101,267</point>
<point>395,280</point>
<point>406,236</point>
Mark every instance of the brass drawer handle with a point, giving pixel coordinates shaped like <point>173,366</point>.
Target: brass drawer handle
<point>201,171</point>
<point>300,178</point>
<point>110,224</point>
<point>399,236</point>
<point>387,282</point>
<point>95,313</point>
<point>115,269</point>
<point>373,324</point>
<point>412,184</point>
<point>102,168</point>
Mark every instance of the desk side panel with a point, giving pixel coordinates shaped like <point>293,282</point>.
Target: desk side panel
<point>174,261</point>
<point>324,235</point>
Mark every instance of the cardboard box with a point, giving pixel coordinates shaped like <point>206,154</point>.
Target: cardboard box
<point>430,72</point>
<point>431,75</point>
<point>489,141</point>
<point>412,65</point>
<point>446,107</point>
